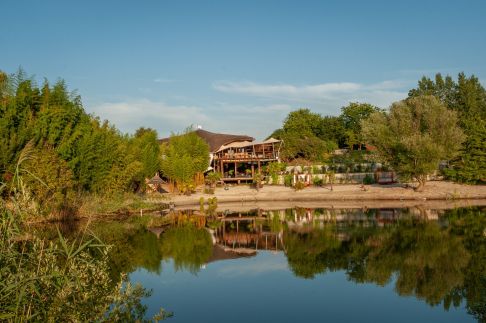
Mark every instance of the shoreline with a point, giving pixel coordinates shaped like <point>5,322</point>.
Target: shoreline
<point>439,192</point>
<point>437,195</point>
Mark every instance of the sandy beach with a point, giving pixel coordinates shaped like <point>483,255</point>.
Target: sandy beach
<point>439,194</point>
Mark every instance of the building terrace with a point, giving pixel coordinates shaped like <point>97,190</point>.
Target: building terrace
<point>238,161</point>
<point>238,157</point>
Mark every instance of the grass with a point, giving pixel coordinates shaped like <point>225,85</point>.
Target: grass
<point>120,204</point>
<point>56,279</point>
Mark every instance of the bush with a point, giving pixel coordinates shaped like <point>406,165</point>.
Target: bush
<point>316,181</point>
<point>299,186</point>
<point>288,180</point>
<point>208,190</point>
<point>368,180</point>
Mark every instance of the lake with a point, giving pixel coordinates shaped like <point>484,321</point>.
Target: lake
<point>309,265</point>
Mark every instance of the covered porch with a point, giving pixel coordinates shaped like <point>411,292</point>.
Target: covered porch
<point>240,161</point>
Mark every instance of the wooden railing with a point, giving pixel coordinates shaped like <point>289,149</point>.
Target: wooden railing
<point>229,156</point>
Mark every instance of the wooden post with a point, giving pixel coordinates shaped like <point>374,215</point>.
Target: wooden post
<point>235,169</point>
<point>252,170</point>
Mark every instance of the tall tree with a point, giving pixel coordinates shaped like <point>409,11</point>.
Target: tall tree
<point>351,116</point>
<point>183,157</point>
<point>468,97</point>
<point>302,134</point>
<point>414,136</point>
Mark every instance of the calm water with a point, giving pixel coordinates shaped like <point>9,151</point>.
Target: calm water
<point>304,265</point>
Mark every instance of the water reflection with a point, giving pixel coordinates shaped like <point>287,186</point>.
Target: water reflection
<point>434,255</point>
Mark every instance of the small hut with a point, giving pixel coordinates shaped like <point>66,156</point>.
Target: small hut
<point>155,184</point>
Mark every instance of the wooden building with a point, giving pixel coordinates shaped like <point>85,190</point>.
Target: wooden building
<point>238,157</point>
<point>240,160</point>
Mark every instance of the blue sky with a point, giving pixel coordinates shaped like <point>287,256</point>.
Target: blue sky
<point>238,66</point>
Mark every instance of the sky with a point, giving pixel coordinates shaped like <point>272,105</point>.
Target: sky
<point>238,66</point>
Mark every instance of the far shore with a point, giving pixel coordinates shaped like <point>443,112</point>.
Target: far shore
<point>437,195</point>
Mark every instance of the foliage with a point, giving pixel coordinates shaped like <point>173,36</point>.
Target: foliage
<point>470,165</point>
<point>183,157</point>
<point>50,181</point>
<point>352,115</point>
<point>310,136</point>
<point>213,178</point>
<point>288,178</point>
<point>304,251</point>
<point>188,246</point>
<point>127,306</point>
<point>332,128</point>
<point>299,185</point>
<point>257,180</point>
<point>273,170</point>
<point>435,263</point>
<point>368,180</point>
<point>60,280</point>
<point>414,136</point>
<point>92,156</point>
<point>317,181</point>
<point>468,98</point>
<point>300,132</point>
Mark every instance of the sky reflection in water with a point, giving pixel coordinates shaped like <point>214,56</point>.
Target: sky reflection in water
<point>403,271</point>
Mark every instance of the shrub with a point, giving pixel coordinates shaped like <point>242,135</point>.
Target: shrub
<point>299,186</point>
<point>368,180</point>
<point>316,181</point>
<point>208,190</point>
<point>288,180</point>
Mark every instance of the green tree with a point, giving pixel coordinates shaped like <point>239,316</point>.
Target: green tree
<point>414,136</point>
<point>332,129</point>
<point>300,133</point>
<point>50,180</point>
<point>101,159</point>
<point>468,97</point>
<point>352,115</point>
<point>183,157</point>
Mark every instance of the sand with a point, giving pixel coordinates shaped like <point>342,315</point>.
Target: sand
<point>438,194</point>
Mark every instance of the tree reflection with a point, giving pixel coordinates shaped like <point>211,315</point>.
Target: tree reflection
<point>134,247</point>
<point>433,262</point>
<point>428,261</point>
<point>190,247</point>
<point>310,253</point>
<point>440,262</point>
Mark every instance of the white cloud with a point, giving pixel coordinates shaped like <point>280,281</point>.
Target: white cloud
<point>260,108</point>
<point>252,119</point>
<point>285,90</point>
<point>328,97</point>
<point>254,267</point>
<point>128,116</point>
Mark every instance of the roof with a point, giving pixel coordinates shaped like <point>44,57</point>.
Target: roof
<point>216,140</point>
<point>248,143</point>
<point>221,253</point>
<point>156,180</point>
